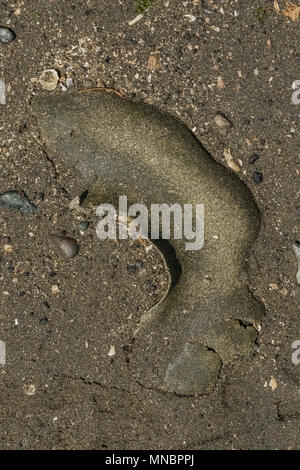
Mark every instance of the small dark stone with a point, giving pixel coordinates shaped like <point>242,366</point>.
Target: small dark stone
<point>152,286</point>
<point>132,269</point>
<point>127,348</point>
<point>22,293</point>
<point>253,159</point>
<point>63,191</point>
<point>84,226</point>
<point>257,177</point>
<point>14,200</point>
<point>43,321</point>
<point>46,305</point>
<point>52,274</point>
<point>139,264</point>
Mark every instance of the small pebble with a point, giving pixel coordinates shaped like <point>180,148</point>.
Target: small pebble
<point>8,249</point>
<point>222,121</point>
<point>43,321</point>
<point>139,264</point>
<point>55,289</point>
<point>69,83</point>
<point>84,226</point>
<point>75,203</point>
<point>7,35</point>
<point>14,200</point>
<point>253,159</point>
<point>66,246</point>
<point>257,177</point>
<point>132,269</point>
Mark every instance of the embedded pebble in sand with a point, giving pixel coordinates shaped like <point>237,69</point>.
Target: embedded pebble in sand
<point>222,121</point>
<point>7,35</point>
<point>66,246</point>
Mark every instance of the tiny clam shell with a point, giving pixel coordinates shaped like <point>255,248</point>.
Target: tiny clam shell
<point>66,246</point>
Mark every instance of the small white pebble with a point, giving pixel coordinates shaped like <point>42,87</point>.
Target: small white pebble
<point>16,322</point>
<point>69,82</point>
<point>192,18</point>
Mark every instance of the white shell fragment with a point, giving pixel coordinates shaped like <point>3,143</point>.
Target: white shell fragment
<point>49,79</point>
<point>2,353</point>
<point>112,351</point>
<point>135,20</point>
<point>230,161</point>
<point>296,248</point>
<point>2,92</point>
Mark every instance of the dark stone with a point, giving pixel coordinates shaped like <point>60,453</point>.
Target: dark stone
<point>253,159</point>
<point>257,177</point>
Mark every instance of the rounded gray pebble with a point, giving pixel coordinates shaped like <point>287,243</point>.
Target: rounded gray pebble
<point>6,35</point>
<point>66,246</point>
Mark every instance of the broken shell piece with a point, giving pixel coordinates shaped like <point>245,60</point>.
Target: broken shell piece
<point>230,161</point>
<point>135,20</point>
<point>49,79</point>
<point>153,61</point>
<point>112,351</point>
<point>66,246</point>
<point>296,248</point>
